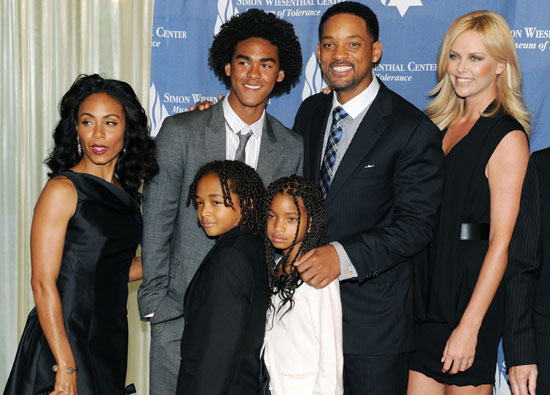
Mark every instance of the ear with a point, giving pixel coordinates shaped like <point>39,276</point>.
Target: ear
<point>281,76</point>
<point>228,69</point>
<point>376,51</point>
<point>319,52</point>
<point>501,67</point>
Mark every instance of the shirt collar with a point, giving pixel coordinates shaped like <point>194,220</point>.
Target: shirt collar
<point>355,106</point>
<point>235,123</point>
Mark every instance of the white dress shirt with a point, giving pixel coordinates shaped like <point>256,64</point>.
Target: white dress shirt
<point>303,347</point>
<point>234,125</point>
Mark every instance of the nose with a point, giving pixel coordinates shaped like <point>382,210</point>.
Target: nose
<point>204,211</point>
<point>461,66</point>
<point>339,52</point>
<point>98,133</point>
<point>253,71</point>
<point>280,225</point>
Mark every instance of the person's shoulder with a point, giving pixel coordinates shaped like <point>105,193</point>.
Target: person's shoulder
<point>59,192</point>
<point>315,100</point>
<point>541,156</point>
<point>184,122</point>
<point>402,108</point>
<point>507,122</point>
<point>281,130</point>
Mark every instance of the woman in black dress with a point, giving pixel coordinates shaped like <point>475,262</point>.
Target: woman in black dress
<point>85,231</point>
<point>458,297</point>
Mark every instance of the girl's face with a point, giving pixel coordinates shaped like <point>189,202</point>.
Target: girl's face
<point>100,125</point>
<point>472,71</point>
<point>215,217</point>
<point>282,223</point>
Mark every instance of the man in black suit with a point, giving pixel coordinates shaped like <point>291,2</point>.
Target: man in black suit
<point>379,161</point>
<point>527,284</point>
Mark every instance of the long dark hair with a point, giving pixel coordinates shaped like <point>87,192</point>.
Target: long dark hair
<point>137,164</point>
<point>281,282</point>
<point>241,179</point>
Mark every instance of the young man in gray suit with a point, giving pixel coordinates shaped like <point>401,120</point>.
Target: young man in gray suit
<point>257,56</point>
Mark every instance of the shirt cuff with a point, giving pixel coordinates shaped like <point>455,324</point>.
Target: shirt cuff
<point>347,269</point>
<point>150,315</point>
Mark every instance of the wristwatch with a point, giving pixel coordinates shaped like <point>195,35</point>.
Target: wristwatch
<point>69,370</point>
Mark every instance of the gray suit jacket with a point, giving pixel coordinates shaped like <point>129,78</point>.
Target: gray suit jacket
<point>173,243</point>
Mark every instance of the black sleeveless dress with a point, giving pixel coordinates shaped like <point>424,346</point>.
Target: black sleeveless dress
<point>445,280</point>
<point>100,242</point>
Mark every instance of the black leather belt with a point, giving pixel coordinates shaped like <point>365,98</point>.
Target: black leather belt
<point>474,231</point>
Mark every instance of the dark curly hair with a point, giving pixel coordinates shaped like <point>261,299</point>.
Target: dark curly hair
<point>281,282</point>
<point>241,179</point>
<point>137,164</point>
<point>258,23</point>
<point>354,8</point>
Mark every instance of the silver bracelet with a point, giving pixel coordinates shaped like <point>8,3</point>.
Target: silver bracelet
<point>68,370</point>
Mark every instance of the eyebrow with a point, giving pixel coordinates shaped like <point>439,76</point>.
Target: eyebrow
<point>261,59</point>
<point>92,115</point>
<point>351,36</point>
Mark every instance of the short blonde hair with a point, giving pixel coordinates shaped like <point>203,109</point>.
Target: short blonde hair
<point>447,107</point>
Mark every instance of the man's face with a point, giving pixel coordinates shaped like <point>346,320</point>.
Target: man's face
<point>346,54</point>
<point>254,70</point>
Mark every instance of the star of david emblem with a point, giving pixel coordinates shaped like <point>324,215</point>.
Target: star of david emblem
<point>402,5</point>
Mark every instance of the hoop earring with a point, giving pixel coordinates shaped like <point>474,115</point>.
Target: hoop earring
<point>78,147</point>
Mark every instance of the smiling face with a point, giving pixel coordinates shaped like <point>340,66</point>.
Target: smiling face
<point>282,223</point>
<point>472,71</point>
<point>100,126</point>
<point>254,70</point>
<point>214,216</point>
<point>346,54</point>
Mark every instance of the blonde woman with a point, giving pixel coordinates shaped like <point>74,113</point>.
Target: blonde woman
<point>459,301</point>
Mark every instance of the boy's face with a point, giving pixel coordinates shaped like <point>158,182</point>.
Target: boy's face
<point>254,70</point>
<point>214,217</point>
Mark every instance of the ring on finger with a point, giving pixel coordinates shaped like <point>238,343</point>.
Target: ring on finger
<point>464,364</point>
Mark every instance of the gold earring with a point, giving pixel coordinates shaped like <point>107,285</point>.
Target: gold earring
<point>78,147</point>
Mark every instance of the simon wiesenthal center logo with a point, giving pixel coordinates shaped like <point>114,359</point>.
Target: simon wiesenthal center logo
<point>313,78</point>
<point>225,13</point>
<point>401,5</point>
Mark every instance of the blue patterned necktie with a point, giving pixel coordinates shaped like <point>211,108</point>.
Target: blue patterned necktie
<point>338,116</point>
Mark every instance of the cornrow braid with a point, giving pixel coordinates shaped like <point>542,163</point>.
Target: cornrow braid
<point>281,282</point>
<point>241,179</point>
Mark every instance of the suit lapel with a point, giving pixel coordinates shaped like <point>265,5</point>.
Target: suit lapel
<point>268,152</point>
<point>318,128</point>
<point>372,125</point>
<point>214,135</point>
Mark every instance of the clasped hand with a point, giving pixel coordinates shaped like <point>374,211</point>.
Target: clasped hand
<point>319,267</point>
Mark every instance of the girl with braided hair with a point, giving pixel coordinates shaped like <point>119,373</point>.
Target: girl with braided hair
<point>303,340</point>
<point>226,302</point>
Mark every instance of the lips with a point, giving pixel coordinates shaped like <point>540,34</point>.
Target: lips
<point>253,87</point>
<point>99,149</point>
<point>208,224</point>
<point>275,239</point>
<point>464,80</point>
<point>341,68</point>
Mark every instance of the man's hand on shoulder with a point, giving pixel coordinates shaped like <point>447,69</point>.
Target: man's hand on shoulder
<point>523,379</point>
<point>319,267</point>
<point>204,105</point>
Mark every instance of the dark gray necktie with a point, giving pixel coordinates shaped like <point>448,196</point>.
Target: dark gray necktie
<point>240,155</point>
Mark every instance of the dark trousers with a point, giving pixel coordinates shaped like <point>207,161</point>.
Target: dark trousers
<point>376,374</point>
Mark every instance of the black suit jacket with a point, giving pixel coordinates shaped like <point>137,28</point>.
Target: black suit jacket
<point>225,308</point>
<point>382,207</point>
<point>527,278</point>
